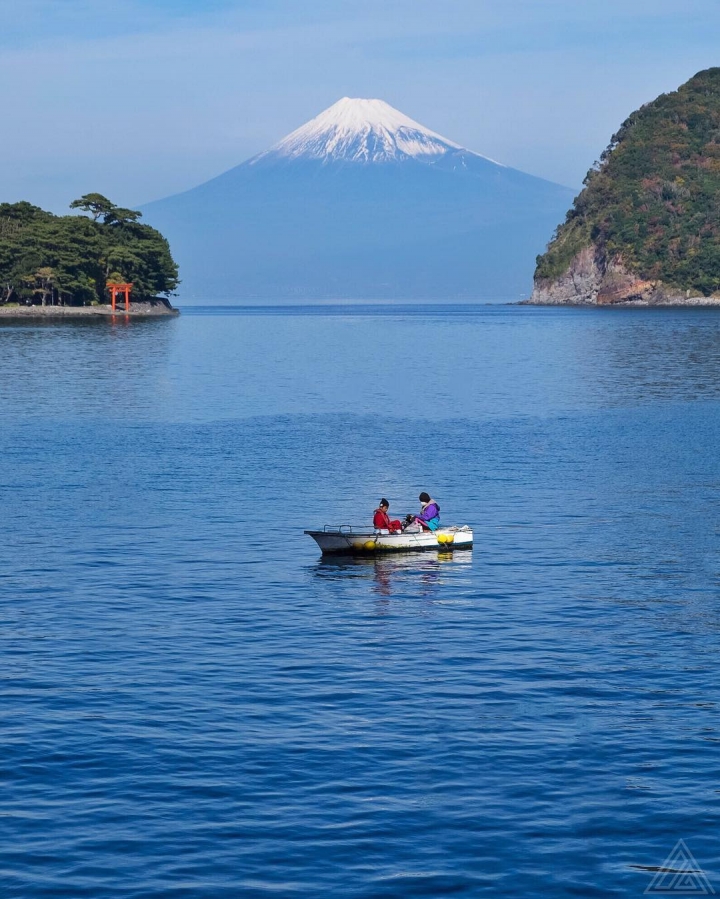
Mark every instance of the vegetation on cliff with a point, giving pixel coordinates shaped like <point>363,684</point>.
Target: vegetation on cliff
<point>653,199</point>
<point>50,259</point>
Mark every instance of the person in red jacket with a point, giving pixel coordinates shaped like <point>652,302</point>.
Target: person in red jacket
<point>381,519</point>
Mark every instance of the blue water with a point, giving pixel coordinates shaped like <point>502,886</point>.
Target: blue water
<point>195,704</point>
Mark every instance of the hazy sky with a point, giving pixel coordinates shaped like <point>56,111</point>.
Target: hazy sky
<point>142,98</point>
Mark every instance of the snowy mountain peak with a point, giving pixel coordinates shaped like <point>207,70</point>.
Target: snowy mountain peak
<point>357,130</point>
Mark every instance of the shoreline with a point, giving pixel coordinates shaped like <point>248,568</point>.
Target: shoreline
<point>137,310</point>
<point>695,302</point>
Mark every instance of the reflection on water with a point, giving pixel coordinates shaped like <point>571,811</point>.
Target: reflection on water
<point>407,573</point>
<point>487,362</point>
<point>658,354</point>
<point>111,367</point>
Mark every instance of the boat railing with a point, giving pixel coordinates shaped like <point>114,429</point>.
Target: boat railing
<point>348,529</point>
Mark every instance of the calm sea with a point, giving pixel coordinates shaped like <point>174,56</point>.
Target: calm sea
<point>194,704</point>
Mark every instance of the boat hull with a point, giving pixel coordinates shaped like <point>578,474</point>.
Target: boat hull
<point>367,542</point>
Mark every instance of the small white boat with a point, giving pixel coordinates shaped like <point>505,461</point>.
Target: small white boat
<point>363,541</point>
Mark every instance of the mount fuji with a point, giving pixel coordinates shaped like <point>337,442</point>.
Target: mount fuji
<point>361,203</point>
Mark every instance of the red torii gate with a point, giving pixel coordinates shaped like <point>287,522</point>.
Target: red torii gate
<point>116,287</point>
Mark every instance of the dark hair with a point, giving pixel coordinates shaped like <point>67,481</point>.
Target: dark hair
<point>424,497</point>
<point>384,502</point>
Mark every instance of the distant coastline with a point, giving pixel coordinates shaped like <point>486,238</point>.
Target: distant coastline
<point>673,303</point>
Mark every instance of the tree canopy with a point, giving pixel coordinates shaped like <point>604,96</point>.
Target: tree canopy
<point>68,259</point>
<point>654,196</point>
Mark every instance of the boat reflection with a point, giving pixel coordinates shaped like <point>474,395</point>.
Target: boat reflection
<point>406,573</point>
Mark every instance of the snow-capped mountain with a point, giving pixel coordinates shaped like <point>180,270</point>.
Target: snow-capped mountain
<point>361,202</point>
<point>356,130</point>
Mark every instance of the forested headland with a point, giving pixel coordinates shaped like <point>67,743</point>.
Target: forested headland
<point>646,227</point>
<point>51,260</point>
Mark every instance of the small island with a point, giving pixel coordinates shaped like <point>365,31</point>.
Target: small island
<point>645,231</point>
<point>65,266</point>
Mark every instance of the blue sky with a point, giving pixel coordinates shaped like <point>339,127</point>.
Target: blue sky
<point>142,98</point>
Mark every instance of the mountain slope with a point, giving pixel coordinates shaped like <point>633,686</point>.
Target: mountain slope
<point>646,228</point>
<point>360,203</point>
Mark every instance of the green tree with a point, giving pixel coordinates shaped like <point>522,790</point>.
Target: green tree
<point>45,283</point>
<point>120,216</point>
<point>95,204</point>
<point>68,259</point>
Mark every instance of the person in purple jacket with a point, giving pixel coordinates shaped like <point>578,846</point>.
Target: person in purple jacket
<point>429,517</point>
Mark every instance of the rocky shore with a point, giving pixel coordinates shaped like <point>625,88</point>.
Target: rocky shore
<point>591,280</point>
<point>137,310</point>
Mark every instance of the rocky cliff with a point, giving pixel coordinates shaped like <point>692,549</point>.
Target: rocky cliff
<point>645,230</point>
<point>592,280</point>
